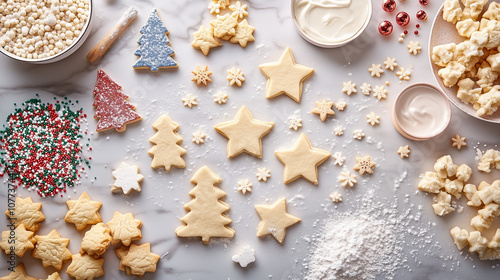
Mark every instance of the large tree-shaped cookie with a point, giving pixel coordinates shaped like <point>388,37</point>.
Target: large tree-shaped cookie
<point>206,217</point>
<point>166,151</point>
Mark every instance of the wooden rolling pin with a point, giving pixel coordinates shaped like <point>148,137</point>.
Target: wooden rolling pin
<point>102,47</point>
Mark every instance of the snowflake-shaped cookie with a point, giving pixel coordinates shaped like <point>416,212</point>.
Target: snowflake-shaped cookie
<point>214,7</point>
<point>338,130</point>
<point>404,74</point>
<point>323,109</point>
<point>340,105</point>
<point>390,63</point>
<point>294,122</point>
<point>358,134</point>
<point>127,178</point>
<point>404,151</point>
<point>201,75</point>
<point>364,165</point>
<point>223,3</point>
<point>199,137</point>
<point>339,158</point>
<point>189,100</point>
<point>244,186</point>
<point>458,142</point>
<point>380,92</point>
<point>376,70</point>
<point>336,197</point>
<point>239,11</point>
<point>347,179</point>
<point>235,76</point>
<point>220,97</point>
<point>366,88</point>
<point>263,173</point>
<point>349,87</point>
<point>414,47</point>
<point>373,119</point>
<point>245,256</point>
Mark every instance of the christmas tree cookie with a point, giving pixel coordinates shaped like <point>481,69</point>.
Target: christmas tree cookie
<point>166,151</point>
<point>154,47</point>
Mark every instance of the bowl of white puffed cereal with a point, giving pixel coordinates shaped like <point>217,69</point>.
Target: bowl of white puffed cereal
<point>43,31</point>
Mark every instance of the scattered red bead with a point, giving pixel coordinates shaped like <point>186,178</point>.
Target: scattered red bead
<point>402,18</point>
<point>416,32</point>
<point>424,2</point>
<point>389,5</point>
<point>405,32</point>
<point>422,15</point>
<point>385,27</point>
<point>418,25</point>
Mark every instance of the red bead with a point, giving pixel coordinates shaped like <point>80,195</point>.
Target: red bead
<point>422,15</point>
<point>402,18</point>
<point>424,2</point>
<point>418,25</point>
<point>405,32</point>
<point>416,32</point>
<point>385,27</point>
<point>389,5</point>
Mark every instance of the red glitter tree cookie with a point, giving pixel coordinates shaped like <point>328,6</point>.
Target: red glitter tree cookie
<point>112,108</point>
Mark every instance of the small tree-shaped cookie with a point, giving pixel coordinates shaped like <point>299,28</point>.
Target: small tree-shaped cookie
<point>166,151</point>
<point>154,47</point>
<point>112,108</point>
<point>206,216</point>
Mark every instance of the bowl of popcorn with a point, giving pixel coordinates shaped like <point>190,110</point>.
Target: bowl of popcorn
<point>43,31</point>
<point>464,53</point>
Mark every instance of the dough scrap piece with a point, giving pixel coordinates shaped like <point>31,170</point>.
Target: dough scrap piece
<point>124,228</point>
<point>96,241</point>
<point>83,212</point>
<point>127,178</point>
<point>166,151</point>
<point>275,220</point>
<point>85,267</point>
<point>26,212</point>
<point>22,241</point>
<point>19,273</point>
<point>323,109</point>
<point>204,40</point>
<point>243,34</point>
<point>459,237</point>
<point>302,160</point>
<point>52,249</point>
<point>244,133</point>
<point>140,260</point>
<point>206,216</point>
<point>445,168</point>
<point>285,76</point>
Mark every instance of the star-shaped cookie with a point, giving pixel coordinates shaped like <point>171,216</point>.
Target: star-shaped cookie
<point>52,249</point>
<point>302,160</point>
<point>124,228</point>
<point>275,220</point>
<point>204,40</point>
<point>244,134</point>
<point>96,240</point>
<point>85,267</point>
<point>127,178</point>
<point>323,109</point>
<point>18,274</point>
<point>83,212</point>
<point>285,76</point>
<point>22,241</point>
<point>243,34</point>
<point>26,212</point>
<point>54,276</point>
<point>140,259</point>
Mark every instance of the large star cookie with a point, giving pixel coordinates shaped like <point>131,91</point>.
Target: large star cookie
<point>124,228</point>
<point>52,249</point>
<point>244,134</point>
<point>26,212</point>
<point>83,212</point>
<point>302,160</point>
<point>127,178</point>
<point>140,260</point>
<point>85,267</point>
<point>275,220</point>
<point>18,274</point>
<point>285,76</point>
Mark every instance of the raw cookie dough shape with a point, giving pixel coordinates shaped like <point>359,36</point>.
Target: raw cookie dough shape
<point>285,76</point>
<point>19,273</point>
<point>52,249</point>
<point>166,151</point>
<point>275,220</point>
<point>83,212</point>
<point>206,217</point>
<point>302,160</point>
<point>154,47</point>
<point>244,134</point>
<point>112,108</point>
<point>85,267</point>
<point>27,213</point>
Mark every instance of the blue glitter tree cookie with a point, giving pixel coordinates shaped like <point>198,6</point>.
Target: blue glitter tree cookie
<point>154,47</point>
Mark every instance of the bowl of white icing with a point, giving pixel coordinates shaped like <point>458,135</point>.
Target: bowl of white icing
<point>421,111</point>
<point>331,23</point>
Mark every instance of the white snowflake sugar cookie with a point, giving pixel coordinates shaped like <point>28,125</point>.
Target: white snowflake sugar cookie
<point>245,256</point>
<point>414,47</point>
<point>339,158</point>
<point>358,134</point>
<point>340,105</point>
<point>349,87</point>
<point>380,92</point>
<point>366,88</point>
<point>338,130</point>
<point>127,178</point>
<point>220,98</point>
<point>235,76</point>
<point>390,63</point>
<point>294,122</point>
<point>244,186</point>
<point>336,197</point>
<point>346,178</point>
<point>376,70</point>
<point>199,137</point>
<point>189,100</point>
<point>404,151</point>
<point>262,174</point>
<point>373,119</point>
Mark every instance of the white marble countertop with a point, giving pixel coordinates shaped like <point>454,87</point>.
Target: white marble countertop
<point>428,250</point>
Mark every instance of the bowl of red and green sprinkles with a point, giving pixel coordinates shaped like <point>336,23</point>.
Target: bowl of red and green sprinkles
<point>40,146</point>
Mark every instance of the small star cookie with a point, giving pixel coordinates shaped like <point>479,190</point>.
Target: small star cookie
<point>347,179</point>
<point>275,220</point>
<point>373,119</point>
<point>414,48</point>
<point>336,197</point>
<point>204,40</point>
<point>140,259</point>
<point>263,174</point>
<point>235,76</point>
<point>244,186</point>
<point>127,178</point>
<point>323,109</point>
<point>52,249</point>
<point>339,158</point>
<point>26,212</point>
<point>199,137</point>
<point>366,88</point>
<point>294,122</point>
<point>220,97</point>
<point>243,34</point>
<point>85,267</point>
<point>83,212</point>
<point>19,273</point>
<point>390,63</point>
<point>96,241</point>
<point>238,11</point>
<point>189,100</point>
<point>376,70</point>
<point>458,142</point>
<point>364,165</point>
<point>404,151</point>
<point>124,228</point>
<point>349,87</point>
<point>18,244</point>
<point>380,92</point>
<point>201,75</point>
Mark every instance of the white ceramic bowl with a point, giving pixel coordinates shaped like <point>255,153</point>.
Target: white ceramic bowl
<point>331,45</point>
<point>443,32</point>
<point>66,52</point>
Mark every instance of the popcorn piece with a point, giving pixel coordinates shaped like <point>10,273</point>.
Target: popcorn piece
<point>490,211</point>
<point>404,152</point>
<point>431,183</point>
<point>376,70</point>
<point>452,12</point>
<point>479,38</point>
<point>490,194</point>
<point>443,54</point>
<point>488,102</point>
<point>472,8</point>
<point>470,192</point>
<point>454,187</point>
<point>445,168</point>
<point>458,142</point>
<point>478,244</point>
<point>486,77</point>
<point>451,73</point>
<point>466,27</point>
<point>366,88</point>
<point>459,237</point>
<point>494,61</point>
<point>349,88</point>
<point>463,173</point>
<point>493,12</point>
<point>414,47</point>
<point>442,204</point>
<point>390,63</point>
<point>490,159</point>
<point>466,93</point>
